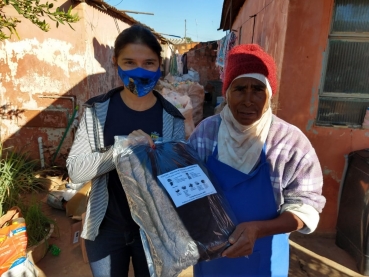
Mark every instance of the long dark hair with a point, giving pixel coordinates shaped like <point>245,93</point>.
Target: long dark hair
<point>137,34</point>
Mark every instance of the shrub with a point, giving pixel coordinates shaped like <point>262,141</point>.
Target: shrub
<point>18,179</point>
<point>17,176</point>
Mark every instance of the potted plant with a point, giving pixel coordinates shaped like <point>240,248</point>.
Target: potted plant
<point>19,179</point>
<point>39,229</point>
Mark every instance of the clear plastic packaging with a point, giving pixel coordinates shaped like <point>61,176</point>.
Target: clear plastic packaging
<point>182,213</point>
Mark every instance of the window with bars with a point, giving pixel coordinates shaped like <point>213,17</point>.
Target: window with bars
<point>344,91</point>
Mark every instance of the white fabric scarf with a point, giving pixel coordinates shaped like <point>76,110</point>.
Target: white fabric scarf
<point>240,146</point>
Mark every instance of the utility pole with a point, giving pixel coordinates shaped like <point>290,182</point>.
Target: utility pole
<point>185,35</point>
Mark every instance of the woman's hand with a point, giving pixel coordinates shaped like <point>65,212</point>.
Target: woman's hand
<point>140,137</point>
<point>242,239</point>
<point>244,236</point>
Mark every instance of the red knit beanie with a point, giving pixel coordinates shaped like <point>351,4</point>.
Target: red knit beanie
<point>249,58</point>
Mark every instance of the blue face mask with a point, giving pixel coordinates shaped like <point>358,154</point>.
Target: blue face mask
<point>139,81</point>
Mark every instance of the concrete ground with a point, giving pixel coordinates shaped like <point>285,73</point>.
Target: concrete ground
<point>311,255</point>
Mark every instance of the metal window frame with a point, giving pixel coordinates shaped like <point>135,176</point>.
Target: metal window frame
<point>343,36</point>
<point>361,37</point>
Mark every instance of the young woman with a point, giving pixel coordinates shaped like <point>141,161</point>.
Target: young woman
<point>135,109</point>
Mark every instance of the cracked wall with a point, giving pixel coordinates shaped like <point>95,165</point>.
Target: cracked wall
<point>44,76</point>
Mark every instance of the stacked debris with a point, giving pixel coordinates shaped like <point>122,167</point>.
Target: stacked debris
<point>187,95</point>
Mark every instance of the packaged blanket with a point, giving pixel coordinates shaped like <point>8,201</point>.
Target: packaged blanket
<point>183,216</point>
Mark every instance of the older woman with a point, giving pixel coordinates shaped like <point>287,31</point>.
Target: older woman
<point>266,167</point>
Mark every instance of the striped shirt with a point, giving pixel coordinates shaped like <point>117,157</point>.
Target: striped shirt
<point>295,171</point>
<point>89,159</point>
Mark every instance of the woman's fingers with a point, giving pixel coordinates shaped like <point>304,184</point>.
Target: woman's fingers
<point>242,240</point>
<point>242,247</point>
<point>139,137</point>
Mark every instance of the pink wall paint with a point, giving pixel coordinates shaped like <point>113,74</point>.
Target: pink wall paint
<point>295,33</point>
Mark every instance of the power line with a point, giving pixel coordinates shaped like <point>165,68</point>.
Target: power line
<point>118,3</point>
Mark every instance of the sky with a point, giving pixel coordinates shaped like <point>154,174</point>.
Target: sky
<point>202,17</point>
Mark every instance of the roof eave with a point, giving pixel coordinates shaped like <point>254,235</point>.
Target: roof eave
<point>105,7</point>
<point>230,11</point>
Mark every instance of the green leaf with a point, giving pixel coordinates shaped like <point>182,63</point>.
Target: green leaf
<point>52,18</point>
<point>33,10</point>
<point>71,27</point>
<point>17,9</point>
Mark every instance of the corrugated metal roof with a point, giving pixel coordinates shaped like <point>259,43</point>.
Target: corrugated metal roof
<point>177,40</point>
<point>121,15</point>
<point>230,11</point>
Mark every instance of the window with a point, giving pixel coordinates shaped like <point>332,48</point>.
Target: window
<point>344,91</point>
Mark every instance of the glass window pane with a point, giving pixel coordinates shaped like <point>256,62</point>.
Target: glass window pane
<point>338,111</point>
<point>347,67</point>
<point>351,16</point>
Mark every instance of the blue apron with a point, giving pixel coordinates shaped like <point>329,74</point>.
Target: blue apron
<point>251,198</point>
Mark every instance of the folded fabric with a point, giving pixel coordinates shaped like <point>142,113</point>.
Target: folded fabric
<point>185,220</point>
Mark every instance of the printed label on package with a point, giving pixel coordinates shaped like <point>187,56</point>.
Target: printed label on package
<point>187,184</point>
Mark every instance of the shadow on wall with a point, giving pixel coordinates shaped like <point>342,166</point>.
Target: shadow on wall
<point>51,122</point>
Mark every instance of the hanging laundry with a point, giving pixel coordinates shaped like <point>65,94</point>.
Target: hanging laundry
<point>173,65</point>
<point>221,51</point>
<point>184,63</point>
<point>224,46</point>
<point>179,64</point>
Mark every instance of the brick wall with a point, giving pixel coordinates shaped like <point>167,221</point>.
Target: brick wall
<point>184,47</point>
<point>202,59</point>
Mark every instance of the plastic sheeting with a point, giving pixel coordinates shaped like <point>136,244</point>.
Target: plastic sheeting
<point>183,220</point>
<point>183,103</point>
<point>193,89</point>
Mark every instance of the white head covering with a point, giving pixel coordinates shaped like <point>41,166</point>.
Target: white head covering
<point>239,145</point>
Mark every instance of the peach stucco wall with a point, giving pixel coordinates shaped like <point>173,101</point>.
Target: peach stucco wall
<point>306,41</point>
<point>270,27</point>
<point>56,64</point>
<point>295,33</point>
<point>66,66</point>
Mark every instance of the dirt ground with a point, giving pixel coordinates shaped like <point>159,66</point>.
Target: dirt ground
<point>311,255</point>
